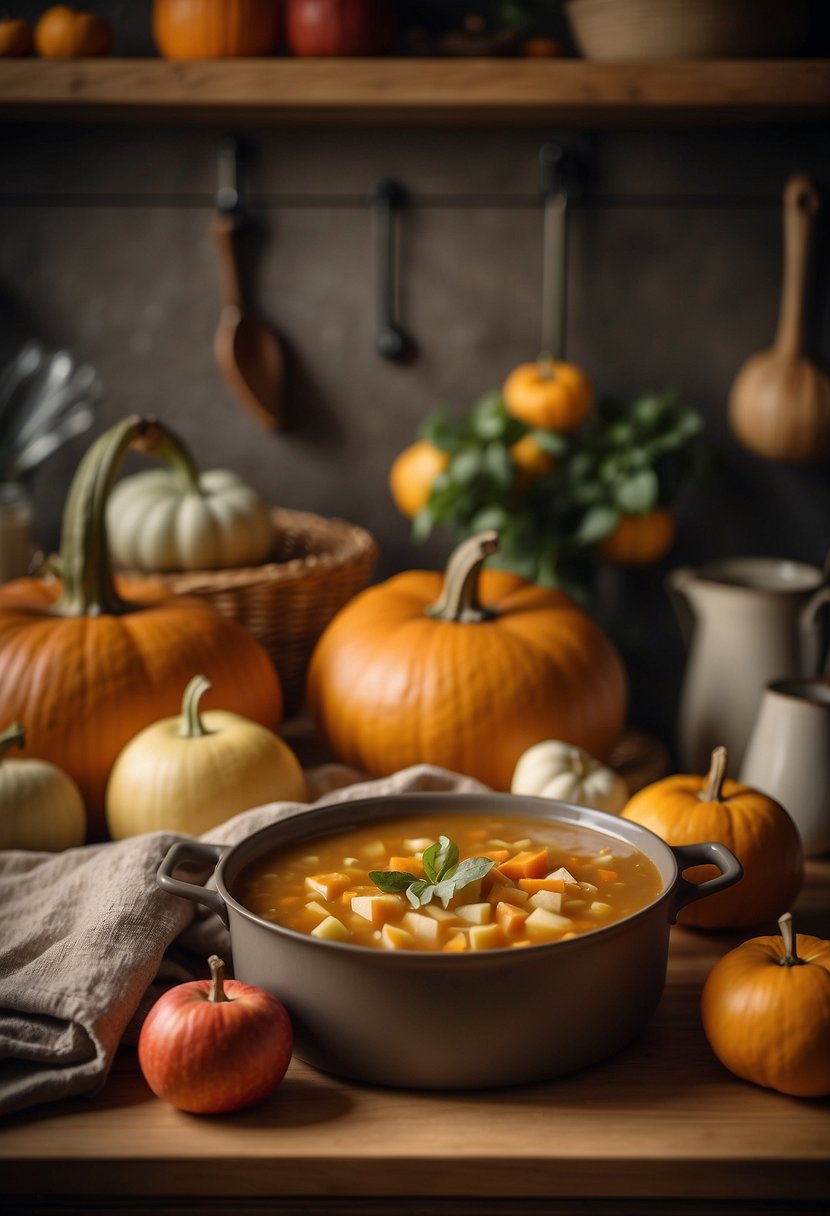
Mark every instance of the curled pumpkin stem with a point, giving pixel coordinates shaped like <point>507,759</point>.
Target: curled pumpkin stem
<point>192,725</point>
<point>459,601</point>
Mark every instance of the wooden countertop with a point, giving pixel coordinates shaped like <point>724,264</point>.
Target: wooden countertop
<point>660,1128</point>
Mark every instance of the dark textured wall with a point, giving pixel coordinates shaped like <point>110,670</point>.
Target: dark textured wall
<point>675,259</point>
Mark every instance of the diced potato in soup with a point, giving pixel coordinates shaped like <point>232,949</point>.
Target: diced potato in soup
<point>544,882</point>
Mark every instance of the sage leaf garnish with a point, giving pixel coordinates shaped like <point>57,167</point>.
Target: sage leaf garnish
<point>445,875</point>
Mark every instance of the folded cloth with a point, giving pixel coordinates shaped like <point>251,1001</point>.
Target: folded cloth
<point>88,941</point>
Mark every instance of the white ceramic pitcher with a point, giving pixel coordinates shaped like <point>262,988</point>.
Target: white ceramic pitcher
<point>747,621</point>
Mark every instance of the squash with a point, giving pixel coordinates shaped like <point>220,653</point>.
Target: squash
<point>766,1012</point>
<point>86,669</point>
<point>418,670</point>
<point>65,33</point>
<point>15,37</point>
<point>553,769</point>
<point>412,473</point>
<point>639,540</point>
<point>40,807</point>
<point>163,520</point>
<point>549,394</point>
<point>688,809</point>
<point>191,772</point>
<point>216,29</point>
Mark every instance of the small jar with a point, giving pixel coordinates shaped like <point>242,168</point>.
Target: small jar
<point>16,542</point>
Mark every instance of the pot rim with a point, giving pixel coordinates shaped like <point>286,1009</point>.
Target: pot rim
<point>398,805</point>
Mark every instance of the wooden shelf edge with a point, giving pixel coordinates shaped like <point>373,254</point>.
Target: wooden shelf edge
<point>415,90</point>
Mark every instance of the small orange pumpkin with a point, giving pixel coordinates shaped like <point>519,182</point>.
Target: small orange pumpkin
<point>688,809</point>
<point>412,474</point>
<point>766,1012</point>
<point>639,540</point>
<point>531,461</point>
<point>65,33</point>
<point>419,669</point>
<point>216,29</point>
<point>15,37</point>
<point>549,394</point>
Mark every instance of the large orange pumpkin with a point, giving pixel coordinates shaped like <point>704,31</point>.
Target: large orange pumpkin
<point>420,669</point>
<point>687,808</point>
<point>216,29</point>
<point>87,670</point>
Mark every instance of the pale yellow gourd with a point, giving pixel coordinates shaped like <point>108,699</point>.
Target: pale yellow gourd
<point>40,806</point>
<point>194,771</point>
<point>553,769</point>
<point>177,518</point>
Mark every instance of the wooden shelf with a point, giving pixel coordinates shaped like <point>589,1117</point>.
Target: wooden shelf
<point>384,91</point>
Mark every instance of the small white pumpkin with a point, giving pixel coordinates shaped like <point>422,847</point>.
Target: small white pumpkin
<point>553,769</point>
<point>40,806</point>
<point>177,518</point>
<point>192,772</point>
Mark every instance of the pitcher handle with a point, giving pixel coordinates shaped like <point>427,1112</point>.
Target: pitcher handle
<point>808,622</point>
<point>677,584</point>
<point>193,850</point>
<point>706,853</point>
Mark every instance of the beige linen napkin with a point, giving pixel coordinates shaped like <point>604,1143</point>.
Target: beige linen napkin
<point>88,942</point>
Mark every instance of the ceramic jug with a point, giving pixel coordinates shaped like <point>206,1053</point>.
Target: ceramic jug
<point>788,755</point>
<point>747,621</point>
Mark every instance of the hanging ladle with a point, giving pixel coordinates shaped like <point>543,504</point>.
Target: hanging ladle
<point>247,350</point>
<point>390,340</point>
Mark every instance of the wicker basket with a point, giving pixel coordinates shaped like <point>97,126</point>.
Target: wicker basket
<point>319,564</point>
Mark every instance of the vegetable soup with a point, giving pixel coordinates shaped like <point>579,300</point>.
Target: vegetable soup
<point>451,882</point>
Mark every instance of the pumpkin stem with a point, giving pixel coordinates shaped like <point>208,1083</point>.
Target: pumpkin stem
<point>790,958</point>
<point>545,362</point>
<point>216,992</point>
<point>459,600</point>
<point>86,571</point>
<point>173,452</point>
<point>192,726</point>
<point>12,736</point>
<point>716,776</point>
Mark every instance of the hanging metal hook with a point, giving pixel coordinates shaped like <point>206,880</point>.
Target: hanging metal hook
<point>562,175</point>
<point>385,198</point>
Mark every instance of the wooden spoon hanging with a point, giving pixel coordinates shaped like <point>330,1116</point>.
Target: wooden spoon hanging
<point>779,406</point>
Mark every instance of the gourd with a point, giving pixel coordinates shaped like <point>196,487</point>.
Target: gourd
<point>688,809</point>
<point>216,29</point>
<point>639,540</point>
<point>553,769</point>
<point>412,473</point>
<point>176,518</point>
<point>87,665</point>
<point>549,394</point>
<point>65,33</point>
<point>465,671</point>
<point>40,807</point>
<point>15,37</point>
<point>193,771</point>
<point>766,1012</point>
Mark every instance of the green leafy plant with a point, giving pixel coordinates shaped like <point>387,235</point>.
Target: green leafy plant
<point>626,459</point>
<point>445,875</point>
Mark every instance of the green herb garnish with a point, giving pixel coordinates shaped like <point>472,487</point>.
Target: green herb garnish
<point>445,875</point>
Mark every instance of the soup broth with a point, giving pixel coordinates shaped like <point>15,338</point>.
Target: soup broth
<point>545,882</point>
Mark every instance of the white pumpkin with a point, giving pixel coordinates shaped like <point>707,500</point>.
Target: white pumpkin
<point>192,772</point>
<point>174,519</point>
<point>553,769</point>
<point>40,805</point>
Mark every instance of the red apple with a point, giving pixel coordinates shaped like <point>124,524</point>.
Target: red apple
<point>340,27</point>
<point>213,1046</point>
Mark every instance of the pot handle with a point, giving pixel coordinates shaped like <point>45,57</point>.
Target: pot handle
<point>706,853</point>
<point>193,850</point>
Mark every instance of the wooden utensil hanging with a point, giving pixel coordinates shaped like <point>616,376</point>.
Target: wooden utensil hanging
<point>779,406</point>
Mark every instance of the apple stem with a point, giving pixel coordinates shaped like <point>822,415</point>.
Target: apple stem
<point>217,978</point>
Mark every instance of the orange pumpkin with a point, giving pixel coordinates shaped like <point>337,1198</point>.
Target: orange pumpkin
<point>88,670</point>
<point>549,394</point>
<point>65,33</point>
<point>688,809</point>
<point>216,29</point>
<point>419,669</point>
<point>766,1012</point>
<point>531,461</point>
<point>412,474</point>
<point>639,540</point>
<point>15,37</point>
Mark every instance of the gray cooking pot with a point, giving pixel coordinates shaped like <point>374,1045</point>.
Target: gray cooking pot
<point>428,1020</point>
